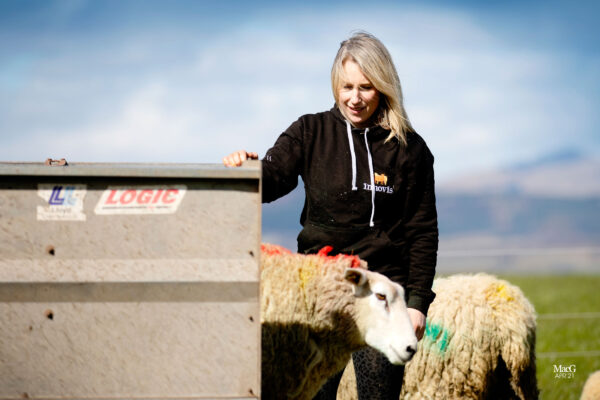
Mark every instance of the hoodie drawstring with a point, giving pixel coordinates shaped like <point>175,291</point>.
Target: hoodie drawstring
<point>371,223</point>
<point>353,155</point>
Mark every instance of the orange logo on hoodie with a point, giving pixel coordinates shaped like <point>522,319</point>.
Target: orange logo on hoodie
<point>380,179</point>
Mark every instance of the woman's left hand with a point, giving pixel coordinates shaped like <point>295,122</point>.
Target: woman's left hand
<point>418,321</point>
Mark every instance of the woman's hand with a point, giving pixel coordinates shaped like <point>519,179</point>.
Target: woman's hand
<point>236,158</point>
<point>418,321</point>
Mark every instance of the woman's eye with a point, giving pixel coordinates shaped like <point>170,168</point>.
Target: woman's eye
<point>380,296</point>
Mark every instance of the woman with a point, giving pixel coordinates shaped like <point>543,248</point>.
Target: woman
<point>369,186</point>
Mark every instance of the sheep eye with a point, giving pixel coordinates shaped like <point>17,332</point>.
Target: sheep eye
<point>380,296</point>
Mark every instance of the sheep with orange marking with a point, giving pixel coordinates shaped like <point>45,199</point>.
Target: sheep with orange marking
<point>479,343</point>
<point>316,310</point>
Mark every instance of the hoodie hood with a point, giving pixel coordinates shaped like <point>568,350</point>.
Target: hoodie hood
<point>374,130</point>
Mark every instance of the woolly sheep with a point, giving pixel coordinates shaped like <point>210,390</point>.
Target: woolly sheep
<point>479,343</point>
<point>316,310</point>
<point>591,389</point>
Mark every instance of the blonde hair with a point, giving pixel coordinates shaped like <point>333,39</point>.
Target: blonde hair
<point>376,64</point>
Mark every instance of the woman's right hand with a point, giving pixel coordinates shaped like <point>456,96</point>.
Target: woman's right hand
<point>236,158</point>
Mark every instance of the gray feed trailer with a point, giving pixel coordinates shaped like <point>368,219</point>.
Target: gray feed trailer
<point>129,281</point>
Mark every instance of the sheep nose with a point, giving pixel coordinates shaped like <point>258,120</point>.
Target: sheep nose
<point>411,350</point>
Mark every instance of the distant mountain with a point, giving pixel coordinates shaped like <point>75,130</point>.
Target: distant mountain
<point>567,174</point>
<point>552,200</point>
<point>564,156</point>
<point>519,220</point>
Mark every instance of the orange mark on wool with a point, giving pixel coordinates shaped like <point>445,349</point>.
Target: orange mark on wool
<point>273,249</point>
<point>354,260</point>
<point>276,250</point>
<point>325,251</point>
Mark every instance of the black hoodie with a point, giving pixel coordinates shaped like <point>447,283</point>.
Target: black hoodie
<point>382,210</point>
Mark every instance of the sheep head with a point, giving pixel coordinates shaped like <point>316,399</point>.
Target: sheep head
<point>381,315</point>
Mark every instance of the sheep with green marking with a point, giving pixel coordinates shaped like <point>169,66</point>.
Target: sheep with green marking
<point>479,344</point>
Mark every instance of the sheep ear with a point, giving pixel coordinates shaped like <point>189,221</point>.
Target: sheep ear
<point>356,276</point>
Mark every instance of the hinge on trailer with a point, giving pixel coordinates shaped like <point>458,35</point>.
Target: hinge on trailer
<point>56,163</point>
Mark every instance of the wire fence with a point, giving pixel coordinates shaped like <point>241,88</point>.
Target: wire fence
<point>557,260</point>
<point>579,315</point>
<point>534,251</point>
<point>569,354</point>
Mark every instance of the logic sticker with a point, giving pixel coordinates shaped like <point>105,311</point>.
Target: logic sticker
<point>63,202</point>
<point>140,200</point>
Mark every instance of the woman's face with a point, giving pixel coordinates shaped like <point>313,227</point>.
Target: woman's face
<point>358,97</point>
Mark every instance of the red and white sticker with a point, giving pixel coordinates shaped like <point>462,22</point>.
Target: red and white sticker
<point>140,200</point>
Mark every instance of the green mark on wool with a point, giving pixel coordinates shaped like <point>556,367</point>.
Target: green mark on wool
<point>436,336</point>
<point>444,342</point>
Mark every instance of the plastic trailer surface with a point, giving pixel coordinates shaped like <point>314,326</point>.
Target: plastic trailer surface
<point>129,281</point>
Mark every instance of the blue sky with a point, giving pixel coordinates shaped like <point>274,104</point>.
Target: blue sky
<point>189,81</point>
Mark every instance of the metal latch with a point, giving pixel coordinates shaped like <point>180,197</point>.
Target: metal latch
<point>56,163</point>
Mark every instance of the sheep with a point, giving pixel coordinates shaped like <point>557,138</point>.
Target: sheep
<point>591,389</point>
<point>316,310</point>
<point>479,343</point>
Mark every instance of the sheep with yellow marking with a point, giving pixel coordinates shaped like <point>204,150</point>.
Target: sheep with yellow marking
<point>591,389</point>
<point>479,343</point>
<point>316,310</point>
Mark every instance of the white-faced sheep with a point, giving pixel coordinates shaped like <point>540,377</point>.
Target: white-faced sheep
<point>591,389</point>
<point>316,310</point>
<point>479,343</point>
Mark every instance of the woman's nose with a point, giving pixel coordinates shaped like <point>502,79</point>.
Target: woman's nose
<point>355,99</point>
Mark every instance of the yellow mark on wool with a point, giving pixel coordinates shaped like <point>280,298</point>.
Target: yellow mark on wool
<point>502,292</point>
<point>307,271</point>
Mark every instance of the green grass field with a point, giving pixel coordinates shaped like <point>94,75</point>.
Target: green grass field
<point>568,330</point>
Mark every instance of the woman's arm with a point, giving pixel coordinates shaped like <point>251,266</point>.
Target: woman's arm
<point>281,165</point>
<point>236,158</point>
<point>421,229</point>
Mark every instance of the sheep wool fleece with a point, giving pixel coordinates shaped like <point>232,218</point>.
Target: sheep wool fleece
<point>365,196</point>
<point>591,389</point>
<point>479,344</point>
<point>307,319</point>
